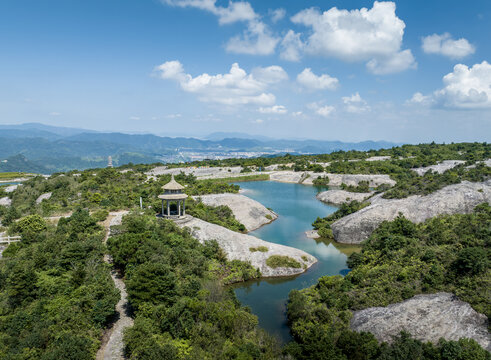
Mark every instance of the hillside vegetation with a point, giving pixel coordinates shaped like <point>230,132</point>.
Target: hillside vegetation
<point>56,294</point>
<point>400,260</point>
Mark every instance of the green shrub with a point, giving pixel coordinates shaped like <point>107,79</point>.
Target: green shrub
<point>276,261</point>
<point>259,248</point>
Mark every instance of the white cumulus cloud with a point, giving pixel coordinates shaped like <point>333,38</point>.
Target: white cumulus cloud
<point>276,109</point>
<point>291,46</point>
<point>322,110</point>
<point>445,45</point>
<point>464,88</point>
<point>257,38</point>
<point>313,82</point>
<point>236,11</point>
<point>355,103</point>
<point>325,110</point>
<point>277,14</point>
<point>233,88</point>
<point>373,35</point>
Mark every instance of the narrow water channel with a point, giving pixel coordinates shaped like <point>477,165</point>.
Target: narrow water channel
<point>297,208</point>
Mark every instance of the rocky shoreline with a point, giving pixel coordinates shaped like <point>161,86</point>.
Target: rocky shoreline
<point>247,211</point>
<point>238,246</point>
<point>454,199</point>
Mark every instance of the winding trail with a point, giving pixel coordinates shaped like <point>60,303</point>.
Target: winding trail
<point>112,346</point>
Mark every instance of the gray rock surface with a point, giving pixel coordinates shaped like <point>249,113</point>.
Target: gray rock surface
<point>338,197</point>
<point>312,234</point>
<point>334,179</point>
<point>11,188</point>
<point>246,210</point>
<point>236,246</point>
<point>42,197</point>
<point>427,318</point>
<point>454,199</point>
<point>378,158</point>
<point>202,172</point>
<point>5,201</point>
<point>440,167</point>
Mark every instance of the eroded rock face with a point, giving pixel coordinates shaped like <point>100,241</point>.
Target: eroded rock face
<point>427,318</point>
<point>454,199</point>
<point>334,179</point>
<point>246,210</point>
<point>440,167</point>
<point>237,245</point>
<point>5,201</point>
<point>338,197</point>
<point>42,197</point>
<point>201,172</point>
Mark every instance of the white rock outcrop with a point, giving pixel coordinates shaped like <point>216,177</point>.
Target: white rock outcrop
<point>5,201</point>
<point>307,178</point>
<point>440,167</point>
<point>202,172</point>
<point>237,247</point>
<point>11,188</point>
<point>42,197</point>
<point>427,318</point>
<point>454,199</point>
<point>338,197</point>
<point>247,211</point>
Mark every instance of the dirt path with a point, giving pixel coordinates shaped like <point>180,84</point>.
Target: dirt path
<point>112,342</point>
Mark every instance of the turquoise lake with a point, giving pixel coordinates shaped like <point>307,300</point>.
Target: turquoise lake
<point>297,208</point>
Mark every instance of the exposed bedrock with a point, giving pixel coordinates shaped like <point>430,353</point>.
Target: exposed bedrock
<point>338,197</point>
<point>5,201</point>
<point>440,167</point>
<point>247,211</point>
<point>454,199</point>
<point>334,179</point>
<point>238,246</point>
<point>426,317</point>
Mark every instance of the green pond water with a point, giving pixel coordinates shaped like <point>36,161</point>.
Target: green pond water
<point>297,208</point>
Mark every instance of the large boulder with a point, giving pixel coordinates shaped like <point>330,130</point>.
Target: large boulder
<point>338,197</point>
<point>427,318</point>
<point>247,211</point>
<point>238,246</point>
<point>454,199</point>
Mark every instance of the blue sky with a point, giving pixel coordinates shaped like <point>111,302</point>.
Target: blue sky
<point>406,71</point>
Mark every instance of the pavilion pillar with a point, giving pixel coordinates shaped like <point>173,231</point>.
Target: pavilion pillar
<point>162,207</point>
<point>184,207</point>
<point>168,208</point>
<point>178,207</point>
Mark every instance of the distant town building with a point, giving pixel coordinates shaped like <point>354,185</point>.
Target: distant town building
<point>109,162</point>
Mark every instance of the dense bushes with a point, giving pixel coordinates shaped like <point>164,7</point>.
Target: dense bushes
<point>323,225</point>
<point>56,295</point>
<point>412,184</point>
<point>400,259</point>
<point>175,287</point>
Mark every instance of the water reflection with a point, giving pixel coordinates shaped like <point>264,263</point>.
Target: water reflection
<point>297,208</point>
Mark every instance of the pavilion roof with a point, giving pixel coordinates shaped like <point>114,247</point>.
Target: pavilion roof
<point>173,185</point>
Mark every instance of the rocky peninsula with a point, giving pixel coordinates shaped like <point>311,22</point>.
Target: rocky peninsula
<point>427,318</point>
<point>247,211</point>
<point>243,247</point>
<point>454,199</point>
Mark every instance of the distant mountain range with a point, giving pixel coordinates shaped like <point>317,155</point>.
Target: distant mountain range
<point>37,147</point>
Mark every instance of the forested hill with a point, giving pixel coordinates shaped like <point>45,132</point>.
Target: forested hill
<point>54,149</point>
